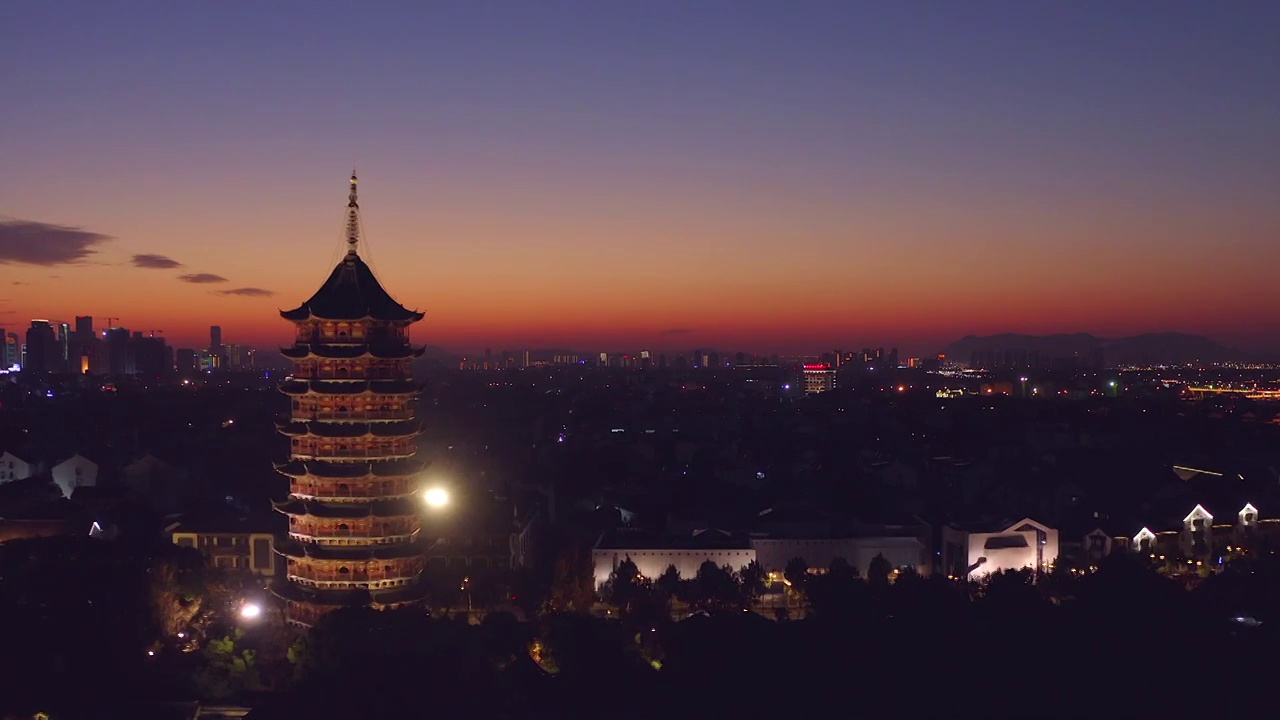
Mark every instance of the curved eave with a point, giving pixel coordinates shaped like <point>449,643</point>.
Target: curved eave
<point>303,314</point>
<point>349,387</point>
<point>350,471</point>
<point>306,351</point>
<point>404,428</point>
<point>346,511</point>
<point>349,598</point>
<point>306,551</point>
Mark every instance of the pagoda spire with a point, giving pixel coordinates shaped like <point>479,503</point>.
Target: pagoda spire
<point>353,218</point>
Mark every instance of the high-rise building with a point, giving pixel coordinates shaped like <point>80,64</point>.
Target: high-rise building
<point>84,327</point>
<point>12,350</point>
<point>120,357</point>
<point>354,502</point>
<point>64,343</point>
<point>215,339</point>
<point>186,362</point>
<point>44,355</point>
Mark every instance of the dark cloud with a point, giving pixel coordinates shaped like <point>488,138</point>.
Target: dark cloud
<point>37,243</point>
<point>155,262</point>
<point>679,331</point>
<point>247,292</point>
<point>18,282</point>
<point>202,278</point>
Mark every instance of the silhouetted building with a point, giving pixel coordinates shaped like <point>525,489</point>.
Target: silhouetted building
<point>43,352</point>
<point>186,361</point>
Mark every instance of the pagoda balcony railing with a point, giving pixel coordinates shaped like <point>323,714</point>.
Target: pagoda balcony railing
<point>352,584</point>
<point>352,374</point>
<point>304,614</point>
<point>351,492</point>
<point>353,415</point>
<point>335,538</point>
<point>353,454</point>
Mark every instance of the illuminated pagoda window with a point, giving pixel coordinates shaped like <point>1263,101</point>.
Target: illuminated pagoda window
<point>353,473</point>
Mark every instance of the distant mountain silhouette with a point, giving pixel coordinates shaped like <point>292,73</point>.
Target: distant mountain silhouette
<point>1151,348</point>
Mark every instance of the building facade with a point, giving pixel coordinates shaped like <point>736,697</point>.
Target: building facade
<point>353,506</point>
<point>819,378</point>
<point>13,467</point>
<point>76,471</point>
<point>235,544</point>
<point>976,553</point>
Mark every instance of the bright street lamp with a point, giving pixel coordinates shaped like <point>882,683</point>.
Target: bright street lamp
<point>436,497</point>
<point>250,611</point>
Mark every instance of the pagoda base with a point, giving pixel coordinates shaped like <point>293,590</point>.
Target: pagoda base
<point>304,607</point>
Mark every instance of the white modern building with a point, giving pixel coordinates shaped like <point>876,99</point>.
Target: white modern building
<point>1023,545</point>
<point>902,552</point>
<point>652,555</point>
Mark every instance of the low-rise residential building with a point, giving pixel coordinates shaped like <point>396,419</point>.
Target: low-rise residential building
<point>13,467</point>
<point>76,471</point>
<point>1200,537</point>
<point>229,541</point>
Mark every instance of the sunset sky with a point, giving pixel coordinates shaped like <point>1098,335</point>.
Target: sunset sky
<point>781,176</point>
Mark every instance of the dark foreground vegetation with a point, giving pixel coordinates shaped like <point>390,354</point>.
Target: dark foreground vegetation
<point>91,626</point>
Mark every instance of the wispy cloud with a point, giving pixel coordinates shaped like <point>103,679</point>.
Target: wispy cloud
<point>155,262</point>
<point>202,278</point>
<point>37,243</point>
<point>247,292</point>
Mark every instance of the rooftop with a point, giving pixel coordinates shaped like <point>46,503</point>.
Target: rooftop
<point>352,293</point>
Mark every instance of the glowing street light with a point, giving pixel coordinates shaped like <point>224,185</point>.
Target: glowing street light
<point>436,497</point>
<point>250,611</point>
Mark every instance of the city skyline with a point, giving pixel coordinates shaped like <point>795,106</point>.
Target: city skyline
<point>833,176</point>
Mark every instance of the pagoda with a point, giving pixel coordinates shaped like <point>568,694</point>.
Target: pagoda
<point>353,503</point>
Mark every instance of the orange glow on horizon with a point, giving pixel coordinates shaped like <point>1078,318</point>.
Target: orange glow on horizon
<point>522,279</point>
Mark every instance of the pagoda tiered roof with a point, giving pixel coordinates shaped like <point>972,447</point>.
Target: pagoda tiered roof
<point>351,471</point>
<point>350,352</point>
<point>351,293</point>
<point>296,386</point>
<point>345,598</point>
<point>294,549</point>
<point>382,508</point>
<point>404,428</point>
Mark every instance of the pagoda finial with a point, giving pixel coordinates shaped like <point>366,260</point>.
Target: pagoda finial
<point>353,218</point>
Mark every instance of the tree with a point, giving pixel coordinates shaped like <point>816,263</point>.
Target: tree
<point>713,588</point>
<point>878,571</point>
<point>624,586</point>
<point>573,585</point>
<point>669,582</point>
<point>837,594</point>
<point>841,570</point>
<point>174,606</point>
<point>753,582</point>
<point>228,670</point>
<point>797,573</point>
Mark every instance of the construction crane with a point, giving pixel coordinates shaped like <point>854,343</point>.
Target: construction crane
<point>110,324</point>
<point>153,332</point>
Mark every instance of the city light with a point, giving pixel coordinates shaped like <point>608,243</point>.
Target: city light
<point>250,611</point>
<point>436,497</point>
